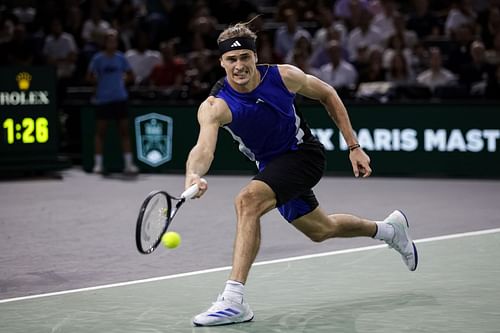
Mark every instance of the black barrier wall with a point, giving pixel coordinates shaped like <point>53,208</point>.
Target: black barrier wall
<point>402,140</point>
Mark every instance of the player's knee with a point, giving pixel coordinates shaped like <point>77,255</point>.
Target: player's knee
<point>249,201</point>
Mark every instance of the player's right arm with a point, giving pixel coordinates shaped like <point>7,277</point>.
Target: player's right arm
<point>212,114</point>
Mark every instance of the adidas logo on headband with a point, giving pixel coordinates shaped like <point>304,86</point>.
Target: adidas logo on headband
<point>237,43</point>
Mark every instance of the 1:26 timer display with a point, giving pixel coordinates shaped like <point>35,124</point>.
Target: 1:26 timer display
<point>27,130</point>
<point>28,117</point>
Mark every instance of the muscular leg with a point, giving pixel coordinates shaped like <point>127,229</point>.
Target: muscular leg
<point>252,202</point>
<point>318,226</point>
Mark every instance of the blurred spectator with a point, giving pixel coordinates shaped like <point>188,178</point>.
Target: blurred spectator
<point>93,30</point>
<point>320,56</point>
<point>461,13</point>
<point>384,21</point>
<point>459,52</point>
<point>202,23</point>
<point>142,59</point>
<point>349,10</point>
<point>73,23</point>
<point>158,13</point>
<point>477,70</point>
<point>6,27</point>
<point>374,70</point>
<point>20,50</point>
<point>204,70</point>
<point>419,58</point>
<point>396,43</point>
<point>327,23</point>
<point>265,49</point>
<point>410,37</point>
<point>436,75</point>
<point>489,21</point>
<point>125,22</point>
<point>170,73</point>
<point>94,27</point>
<point>423,21</point>
<point>109,70</point>
<point>25,12</point>
<point>302,45</point>
<point>60,50</point>
<point>399,71</point>
<point>363,36</point>
<point>286,35</point>
<point>493,54</point>
<point>338,73</point>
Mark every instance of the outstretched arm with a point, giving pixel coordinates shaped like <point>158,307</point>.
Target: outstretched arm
<point>312,87</point>
<point>212,114</point>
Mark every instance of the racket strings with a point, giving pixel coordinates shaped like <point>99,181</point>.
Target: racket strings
<point>154,220</point>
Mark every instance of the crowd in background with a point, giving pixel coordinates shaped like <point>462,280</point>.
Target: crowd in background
<point>367,49</point>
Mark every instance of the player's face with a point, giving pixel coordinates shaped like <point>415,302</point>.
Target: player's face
<point>240,66</point>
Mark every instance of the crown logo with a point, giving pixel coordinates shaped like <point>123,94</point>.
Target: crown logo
<point>23,80</point>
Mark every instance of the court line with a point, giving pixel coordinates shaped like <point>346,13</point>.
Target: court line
<point>262,263</point>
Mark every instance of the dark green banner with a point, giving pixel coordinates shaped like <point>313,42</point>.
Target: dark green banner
<point>403,140</point>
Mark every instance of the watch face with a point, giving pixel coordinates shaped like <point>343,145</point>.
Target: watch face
<point>27,111</point>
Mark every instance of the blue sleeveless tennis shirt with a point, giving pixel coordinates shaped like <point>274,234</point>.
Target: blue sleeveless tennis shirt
<point>264,121</point>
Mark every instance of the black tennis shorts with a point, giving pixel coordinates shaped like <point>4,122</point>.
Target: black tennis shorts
<point>292,176</point>
<point>112,111</point>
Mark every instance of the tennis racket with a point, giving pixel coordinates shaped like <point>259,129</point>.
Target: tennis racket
<point>156,214</point>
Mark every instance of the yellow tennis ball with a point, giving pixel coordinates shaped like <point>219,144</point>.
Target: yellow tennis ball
<point>171,240</point>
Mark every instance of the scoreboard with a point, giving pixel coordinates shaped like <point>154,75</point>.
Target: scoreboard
<point>28,118</point>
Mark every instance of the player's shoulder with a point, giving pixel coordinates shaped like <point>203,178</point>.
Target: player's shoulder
<point>289,71</point>
<point>292,76</point>
<point>216,109</point>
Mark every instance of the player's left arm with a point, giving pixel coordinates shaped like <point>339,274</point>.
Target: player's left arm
<point>311,87</point>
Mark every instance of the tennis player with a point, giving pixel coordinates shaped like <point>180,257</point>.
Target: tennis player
<point>255,103</point>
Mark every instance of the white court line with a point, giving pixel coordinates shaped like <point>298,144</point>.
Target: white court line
<point>262,263</point>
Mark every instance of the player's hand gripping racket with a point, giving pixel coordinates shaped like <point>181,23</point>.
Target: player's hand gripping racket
<point>155,216</point>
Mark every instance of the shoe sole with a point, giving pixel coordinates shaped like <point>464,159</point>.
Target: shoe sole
<point>231,323</point>
<point>412,243</point>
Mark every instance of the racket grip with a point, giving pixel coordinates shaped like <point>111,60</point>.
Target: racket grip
<point>190,192</point>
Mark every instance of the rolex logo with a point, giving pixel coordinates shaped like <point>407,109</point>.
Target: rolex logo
<point>23,80</point>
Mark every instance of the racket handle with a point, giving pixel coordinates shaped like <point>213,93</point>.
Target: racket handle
<point>190,192</point>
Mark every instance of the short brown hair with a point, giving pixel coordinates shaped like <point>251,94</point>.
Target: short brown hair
<point>237,30</point>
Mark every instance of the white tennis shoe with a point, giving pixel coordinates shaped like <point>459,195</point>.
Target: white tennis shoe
<point>401,241</point>
<point>224,311</point>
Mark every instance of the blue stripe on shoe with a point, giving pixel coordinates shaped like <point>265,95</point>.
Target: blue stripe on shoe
<point>228,314</point>
<point>224,313</point>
